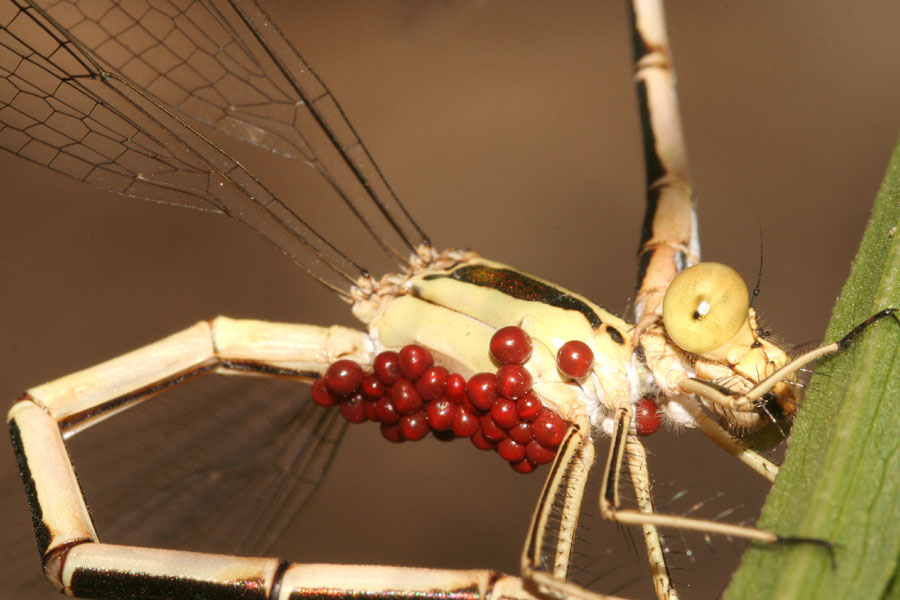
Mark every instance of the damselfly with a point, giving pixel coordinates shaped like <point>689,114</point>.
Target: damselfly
<point>609,294</point>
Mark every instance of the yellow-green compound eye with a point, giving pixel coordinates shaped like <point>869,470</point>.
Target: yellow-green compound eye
<point>705,306</point>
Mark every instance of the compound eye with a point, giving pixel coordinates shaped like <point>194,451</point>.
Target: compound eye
<point>705,306</point>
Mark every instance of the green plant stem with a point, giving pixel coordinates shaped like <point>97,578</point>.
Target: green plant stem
<point>841,478</point>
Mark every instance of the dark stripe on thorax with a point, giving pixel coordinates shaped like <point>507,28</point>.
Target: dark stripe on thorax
<point>520,286</point>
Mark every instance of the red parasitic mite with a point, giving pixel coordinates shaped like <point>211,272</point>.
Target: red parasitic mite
<point>432,384</point>
<point>405,398</point>
<point>524,466</point>
<point>647,417</point>
<point>321,394</point>
<point>549,429</point>
<point>372,387</point>
<point>511,346</point>
<point>513,381</point>
<point>410,397</point>
<point>354,409</point>
<point>465,424</point>
<point>490,430</point>
<point>440,414</point>
<point>504,414</point>
<point>539,454</point>
<point>511,450</point>
<point>455,389</point>
<point>387,367</point>
<point>385,411</point>
<point>414,361</point>
<point>482,390</point>
<point>413,427</point>
<point>343,377</point>
<point>575,359</point>
<point>529,407</point>
<point>521,432</point>
<point>391,432</point>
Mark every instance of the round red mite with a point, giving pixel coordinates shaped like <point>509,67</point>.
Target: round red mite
<point>343,377</point>
<point>575,359</point>
<point>410,398</point>
<point>511,346</point>
<point>647,417</point>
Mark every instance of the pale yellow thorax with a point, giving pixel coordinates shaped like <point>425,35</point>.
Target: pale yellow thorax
<point>455,309</point>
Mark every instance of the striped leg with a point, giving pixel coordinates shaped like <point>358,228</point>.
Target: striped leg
<point>636,460</point>
<point>627,447</point>
<point>566,482</point>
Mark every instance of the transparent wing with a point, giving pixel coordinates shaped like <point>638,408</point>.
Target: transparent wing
<point>224,63</point>
<point>222,464</point>
<point>219,465</point>
<point>63,110</point>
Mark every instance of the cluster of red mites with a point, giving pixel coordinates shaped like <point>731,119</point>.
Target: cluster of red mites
<point>410,396</point>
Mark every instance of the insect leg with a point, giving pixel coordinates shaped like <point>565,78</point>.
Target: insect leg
<point>732,445</point>
<point>624,443</point>
<point>566,481</point>
<point>636,459</point>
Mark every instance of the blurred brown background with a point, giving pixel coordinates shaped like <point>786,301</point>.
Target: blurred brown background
<point>509,128</point>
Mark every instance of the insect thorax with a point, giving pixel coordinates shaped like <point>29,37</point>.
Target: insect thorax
<point>454,306</point>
